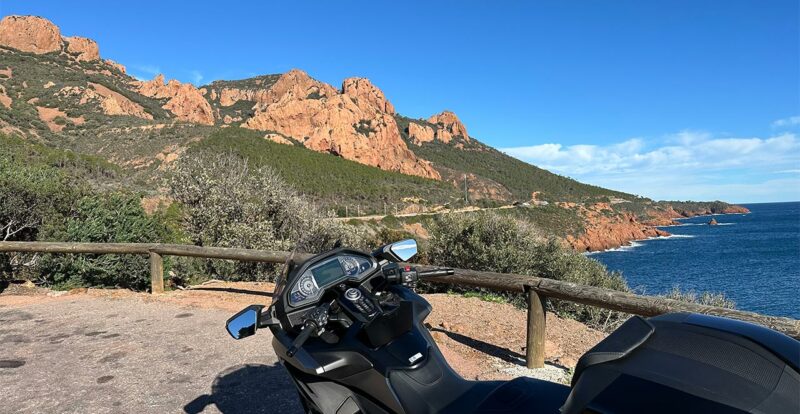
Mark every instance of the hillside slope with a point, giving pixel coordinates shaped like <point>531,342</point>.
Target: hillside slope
<point>346,147</point>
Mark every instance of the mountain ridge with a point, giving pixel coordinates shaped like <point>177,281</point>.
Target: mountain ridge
<point>60,91</point>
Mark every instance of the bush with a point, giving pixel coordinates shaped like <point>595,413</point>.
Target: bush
<point>703,298</point>
<point>228,204</point>
<point>109,218</point>
<point>30,195</point>
<point>491,242</point>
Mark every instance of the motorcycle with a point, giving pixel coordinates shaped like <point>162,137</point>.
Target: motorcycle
<point>349,329</point>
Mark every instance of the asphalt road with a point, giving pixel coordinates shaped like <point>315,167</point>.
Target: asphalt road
<point>94,355</point>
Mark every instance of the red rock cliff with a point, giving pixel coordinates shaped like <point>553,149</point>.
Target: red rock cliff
<point>32,34</point>
<point>606,229</point>
<point>185,100</point>
<point>356,123</point>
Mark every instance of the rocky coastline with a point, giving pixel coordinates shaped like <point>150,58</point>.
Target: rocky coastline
<point>606,231</point>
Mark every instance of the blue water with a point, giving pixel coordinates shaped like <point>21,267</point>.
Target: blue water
<point>754,259</point>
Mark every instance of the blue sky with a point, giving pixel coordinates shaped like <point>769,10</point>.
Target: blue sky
<point>672,99</point>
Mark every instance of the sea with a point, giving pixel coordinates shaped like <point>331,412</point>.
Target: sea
<point>754,259</point>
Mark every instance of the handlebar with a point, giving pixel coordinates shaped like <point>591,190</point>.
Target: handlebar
<point>308,329</point>
<point>315,322</point>
<point>437,273</point>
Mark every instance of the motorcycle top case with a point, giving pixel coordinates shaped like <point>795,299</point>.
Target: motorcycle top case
<point>671,362</point>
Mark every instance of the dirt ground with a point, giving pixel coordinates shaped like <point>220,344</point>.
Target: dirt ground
<point>93,350</point>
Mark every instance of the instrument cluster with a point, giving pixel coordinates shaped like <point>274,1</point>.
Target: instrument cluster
<point>330,271</point>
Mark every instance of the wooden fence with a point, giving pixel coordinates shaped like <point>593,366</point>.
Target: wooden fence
<point>537,289</point>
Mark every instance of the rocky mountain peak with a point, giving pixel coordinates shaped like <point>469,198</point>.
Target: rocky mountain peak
<point>366,93</point>
<point>38,35</point>
<point>85,49</point>
<point>450,126</point>
<point>31,34</point>
<point>353,124</point>
<point>185,100</point>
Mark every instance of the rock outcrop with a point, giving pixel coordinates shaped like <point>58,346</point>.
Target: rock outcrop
<point>114,103</point>
<point>366,95</point>
<point>85,50</point>
<point>356,127</point>
<point>606,229</point>
<point>5,100</point>
<point>418,133</point>
<point>278,138</point>
<point>441,127</point>
<point>186,102</point>
<point>31,34</point>
<point>115,65</point>
<point>712,222</point>
<point>109,101</point>
<point>449,126</point>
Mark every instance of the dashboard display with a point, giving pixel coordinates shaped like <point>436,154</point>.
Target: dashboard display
<point>327,272</point>
<point>309,286</point>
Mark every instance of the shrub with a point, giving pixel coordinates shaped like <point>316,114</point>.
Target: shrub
<point>227,203</point>
<point>703,298</point>
<point>30,195</point>
<point>108,218</point>
<point>491,242</point>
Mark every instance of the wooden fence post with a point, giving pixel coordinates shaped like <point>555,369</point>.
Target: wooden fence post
<point>156,273</point>
<point>534,352</point>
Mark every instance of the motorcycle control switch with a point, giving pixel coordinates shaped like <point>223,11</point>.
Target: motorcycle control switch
<point>359,301</point>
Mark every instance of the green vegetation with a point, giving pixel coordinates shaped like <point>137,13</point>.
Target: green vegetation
<point>491,242</point>
<point>518,177</point>
<point>30,195</point>
<point>228,204</point>
<point>484,296</point>
<point>32,72</point>
<point>332,181</point>
<point>242,108</point>
<point>26,153</point>
<point>102,218</point>
<point>551,219</point>
<point>702,298</point>
<point>45,195</point>
<point>683,207</point>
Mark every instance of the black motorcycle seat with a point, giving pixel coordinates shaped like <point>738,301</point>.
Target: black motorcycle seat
<point>525,395</point>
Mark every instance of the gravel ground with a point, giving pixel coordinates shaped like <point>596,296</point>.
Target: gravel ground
<point>84,354</point>
<point>100,351</point>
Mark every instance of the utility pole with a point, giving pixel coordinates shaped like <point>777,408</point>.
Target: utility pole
<point>346,214</point>
<point>466,193</point>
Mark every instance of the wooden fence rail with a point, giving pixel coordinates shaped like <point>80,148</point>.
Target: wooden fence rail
<point>537,289</point>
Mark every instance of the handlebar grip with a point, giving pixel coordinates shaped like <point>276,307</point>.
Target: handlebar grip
<point>308,329</point>
<point>437,273</point>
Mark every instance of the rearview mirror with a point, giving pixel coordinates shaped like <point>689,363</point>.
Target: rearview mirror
<point>245,323</point>
<point>404,249</point>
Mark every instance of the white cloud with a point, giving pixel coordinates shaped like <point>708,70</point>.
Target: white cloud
<point>685,165</point>
<point>787,122</point>
<point>196,76</point>
<point>151,70</point>
<point>144,72</point>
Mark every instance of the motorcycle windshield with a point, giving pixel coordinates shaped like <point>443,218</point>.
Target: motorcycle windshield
<point>280,281</point>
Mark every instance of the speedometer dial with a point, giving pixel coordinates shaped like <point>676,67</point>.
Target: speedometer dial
<point>307,287</point>
<point>350,265</point>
